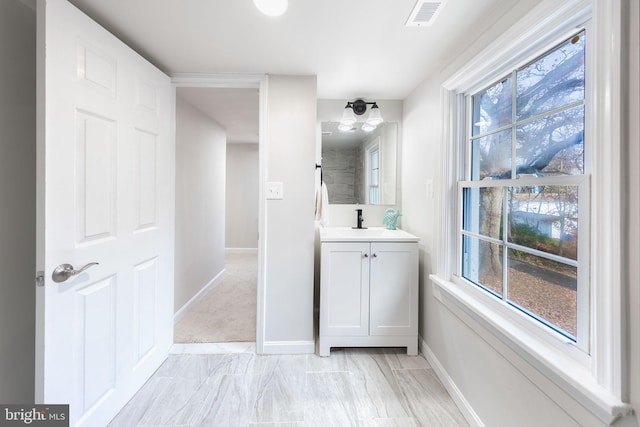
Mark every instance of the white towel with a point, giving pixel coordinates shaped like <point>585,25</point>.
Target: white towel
<point>322,205</point>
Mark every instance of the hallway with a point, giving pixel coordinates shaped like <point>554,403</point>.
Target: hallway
<point>226,313</point>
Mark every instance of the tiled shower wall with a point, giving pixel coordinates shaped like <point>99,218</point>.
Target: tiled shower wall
<point>342,171</point>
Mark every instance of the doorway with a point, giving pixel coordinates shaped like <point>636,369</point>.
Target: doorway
<point>217,214</point>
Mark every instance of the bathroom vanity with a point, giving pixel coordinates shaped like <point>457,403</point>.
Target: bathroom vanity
<point>368,289</point>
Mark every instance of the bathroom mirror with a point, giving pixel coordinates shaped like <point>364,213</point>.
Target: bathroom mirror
<point>359,167</point>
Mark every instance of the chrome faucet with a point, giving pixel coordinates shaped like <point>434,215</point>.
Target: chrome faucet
<point>360,219</point>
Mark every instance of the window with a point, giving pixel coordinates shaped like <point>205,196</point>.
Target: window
<point>525,195</point>
<point>373,172</point>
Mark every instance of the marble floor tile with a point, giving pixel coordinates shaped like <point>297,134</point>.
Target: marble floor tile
<point>188,366</point>
<point>353,387</point>
<point>428,400</point>
<point>337,362</point>
<point>137,407</point>
<point>330,400</point>
<point>213,348</point>
<point>228,402</point>
<point>296,424</point>
<point>179,403</point>
<point>398,359</point>
<point>279,389</point>
<point>389,422</point>
<point>375,388</point>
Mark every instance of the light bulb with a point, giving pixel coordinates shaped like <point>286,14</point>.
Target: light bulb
<point>272,7</point>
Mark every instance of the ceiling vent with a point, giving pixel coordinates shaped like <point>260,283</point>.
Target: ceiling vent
<point>425,13</point>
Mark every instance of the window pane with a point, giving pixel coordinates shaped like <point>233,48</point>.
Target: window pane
<point>554,80</point>
<point>483,211</point>
<point>552,145</point>
<point>374,159</point>
<point>492,107</point>
<point>373,195</point>
<point>374,177</point>
<point>491,156</point>
<point>482,263</point>
<point>544,288</point>
<point>545,218</point>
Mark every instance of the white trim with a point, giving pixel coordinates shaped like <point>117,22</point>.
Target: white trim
<point>544,365</point>
<point>543,26</point>
<point>248,81</point>
<point>289,347</point>
<point>217,80</point>
<point>213,348</point>
<point>194,299</point>
<point>461,402</point>
<point>241,250</point>
<point>606,232</point>
<point>261,309</point>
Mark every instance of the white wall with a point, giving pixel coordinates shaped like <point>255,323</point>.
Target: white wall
<point>200,199</point>
<point>17,201</point>
<point>344,215</point>
<point>499,392</point>
<point>290,137</point>
<point>242,196</point>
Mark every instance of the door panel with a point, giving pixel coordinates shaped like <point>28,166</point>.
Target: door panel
<point>394,280</point>
<point>344,291</point>
<point>106,195</point>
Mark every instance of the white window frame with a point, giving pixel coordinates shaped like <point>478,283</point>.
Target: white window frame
<point>370,148</point>
<point>596,378</point>
<point>580,181</point>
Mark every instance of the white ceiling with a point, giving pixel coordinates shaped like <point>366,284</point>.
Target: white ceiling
<point>356,48</point>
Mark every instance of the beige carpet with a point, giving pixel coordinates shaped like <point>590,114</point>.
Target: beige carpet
<point>226,313</point>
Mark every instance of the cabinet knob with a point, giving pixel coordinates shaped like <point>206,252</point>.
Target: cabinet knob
<point>366,255</point>
<point>375,255</point>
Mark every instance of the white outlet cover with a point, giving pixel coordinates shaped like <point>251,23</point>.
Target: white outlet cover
<point>275,191</point>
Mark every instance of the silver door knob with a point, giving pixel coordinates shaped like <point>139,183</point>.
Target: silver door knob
<point>66,271</point>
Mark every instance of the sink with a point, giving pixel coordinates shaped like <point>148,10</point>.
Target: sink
<point>373,234</point>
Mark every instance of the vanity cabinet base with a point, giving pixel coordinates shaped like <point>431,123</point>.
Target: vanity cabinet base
<point>325,343</point>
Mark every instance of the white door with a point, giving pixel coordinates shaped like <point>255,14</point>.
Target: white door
<point>105,195</point>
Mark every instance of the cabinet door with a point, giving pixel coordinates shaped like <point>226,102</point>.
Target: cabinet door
<point>344,289</point>
<point>394,289</point>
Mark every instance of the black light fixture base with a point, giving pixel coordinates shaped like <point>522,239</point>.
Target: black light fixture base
<point>359,107</point>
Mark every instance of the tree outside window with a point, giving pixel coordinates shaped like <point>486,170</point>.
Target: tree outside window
<point>521,201</point>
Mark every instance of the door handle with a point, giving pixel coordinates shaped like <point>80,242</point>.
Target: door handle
<point>66,271</point>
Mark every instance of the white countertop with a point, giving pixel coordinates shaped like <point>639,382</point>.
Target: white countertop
<point>372,234</point>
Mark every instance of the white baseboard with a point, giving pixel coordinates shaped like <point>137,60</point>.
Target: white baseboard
<point>212,284</point>
<point>289,347</point>
<point>461,402</point>
<point>241,250</point>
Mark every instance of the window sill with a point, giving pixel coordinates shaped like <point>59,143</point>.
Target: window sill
<point>558,367</point>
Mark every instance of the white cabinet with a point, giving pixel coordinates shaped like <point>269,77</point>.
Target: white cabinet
<point>368,295</point>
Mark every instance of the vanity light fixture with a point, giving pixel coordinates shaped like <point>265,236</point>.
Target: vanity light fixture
<point>358,108</point>
<point>272,7</point>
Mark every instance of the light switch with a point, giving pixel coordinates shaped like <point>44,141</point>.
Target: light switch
<point>275,191</point>
<point>429,189</point>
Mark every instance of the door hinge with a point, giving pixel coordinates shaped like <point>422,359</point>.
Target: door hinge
<point>40,278</point>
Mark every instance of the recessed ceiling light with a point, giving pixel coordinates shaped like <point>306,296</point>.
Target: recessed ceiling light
<point>272,7</point>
